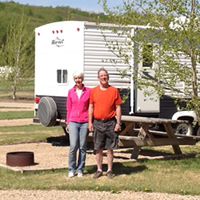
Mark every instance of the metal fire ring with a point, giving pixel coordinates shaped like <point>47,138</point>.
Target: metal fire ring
<point>20,158</point>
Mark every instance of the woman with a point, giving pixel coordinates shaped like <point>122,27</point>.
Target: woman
<point>77,124</point>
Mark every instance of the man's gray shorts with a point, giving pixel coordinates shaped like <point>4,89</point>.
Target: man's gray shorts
<point>104,135</point>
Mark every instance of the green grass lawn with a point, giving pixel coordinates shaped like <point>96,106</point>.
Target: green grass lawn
<point>16,114</point>
<point>28,134</point>
<point>170,176</point>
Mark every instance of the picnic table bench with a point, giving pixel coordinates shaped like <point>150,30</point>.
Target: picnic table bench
<point>144,136</point>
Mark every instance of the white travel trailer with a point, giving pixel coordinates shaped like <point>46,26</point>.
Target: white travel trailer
<point>63,47</point>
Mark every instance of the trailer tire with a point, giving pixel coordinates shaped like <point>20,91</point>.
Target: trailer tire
<point>47,111</point>
<point>185,129</point>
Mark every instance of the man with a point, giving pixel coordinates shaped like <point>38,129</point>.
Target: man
<point>104,120</point>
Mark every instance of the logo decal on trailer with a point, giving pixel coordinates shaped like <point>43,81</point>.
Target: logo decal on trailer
<point>58,42</point>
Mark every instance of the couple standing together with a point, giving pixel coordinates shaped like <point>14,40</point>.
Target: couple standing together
<point>99,110</point>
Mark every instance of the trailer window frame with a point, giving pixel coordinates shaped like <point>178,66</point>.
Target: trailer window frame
<point>62,76</point>
<point>147,56</point>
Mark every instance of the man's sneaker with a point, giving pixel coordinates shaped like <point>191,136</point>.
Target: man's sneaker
<point>80,174</point>
<point>110,174</point>
<point>71,174</point>
<point>98,174</point>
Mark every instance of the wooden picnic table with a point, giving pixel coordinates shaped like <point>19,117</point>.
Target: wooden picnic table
<point>138,133</point>
<point>143,135</point>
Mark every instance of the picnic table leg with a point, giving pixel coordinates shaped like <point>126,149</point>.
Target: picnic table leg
<point>142,134</point>
<point>144,131</point>
<point>170,134</point>
<point>135,152</point>
<point>129,128</point>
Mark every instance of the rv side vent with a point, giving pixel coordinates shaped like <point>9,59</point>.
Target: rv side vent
<point>47,111</point>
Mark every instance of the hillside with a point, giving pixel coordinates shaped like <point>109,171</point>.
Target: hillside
<point>39,15</point>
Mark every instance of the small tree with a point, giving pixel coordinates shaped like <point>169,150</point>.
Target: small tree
<point>17,54</point>
<point>173,25</point>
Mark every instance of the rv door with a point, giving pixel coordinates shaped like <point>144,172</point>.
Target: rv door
<point>146,103</point>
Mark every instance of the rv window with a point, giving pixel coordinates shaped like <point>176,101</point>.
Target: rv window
<point>59,76</point>
<point>147,56</point>
<point>62,76</point>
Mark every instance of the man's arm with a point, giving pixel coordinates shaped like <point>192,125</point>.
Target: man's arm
<point>90,117</point>
<point>118,117</point>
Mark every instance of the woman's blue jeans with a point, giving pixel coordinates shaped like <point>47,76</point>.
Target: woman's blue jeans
<point>78,133</point>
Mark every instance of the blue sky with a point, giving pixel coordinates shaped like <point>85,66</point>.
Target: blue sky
<point>86,5</point>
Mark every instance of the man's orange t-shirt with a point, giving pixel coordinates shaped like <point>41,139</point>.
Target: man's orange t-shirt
<point>104,102</point>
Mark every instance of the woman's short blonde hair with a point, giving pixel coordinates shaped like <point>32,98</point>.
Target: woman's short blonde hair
<point>78,74</point>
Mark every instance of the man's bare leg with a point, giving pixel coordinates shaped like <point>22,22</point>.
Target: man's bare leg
<point>110,158</point>
<point>99,159</point>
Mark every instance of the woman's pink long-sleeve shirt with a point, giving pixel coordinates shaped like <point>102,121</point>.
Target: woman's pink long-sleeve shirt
<point>77,109</point>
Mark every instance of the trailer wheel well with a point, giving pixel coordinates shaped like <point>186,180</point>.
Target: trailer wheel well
<point>190,119</point>
<point>47,111</point>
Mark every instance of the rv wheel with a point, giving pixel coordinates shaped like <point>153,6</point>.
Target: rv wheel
<point>47,111</point>
<point>185,129</point>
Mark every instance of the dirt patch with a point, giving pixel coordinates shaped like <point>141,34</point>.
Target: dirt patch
<point>29,105</point>
<point>17,100</point>
<point>16,122</point>
<point>47,156</point>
